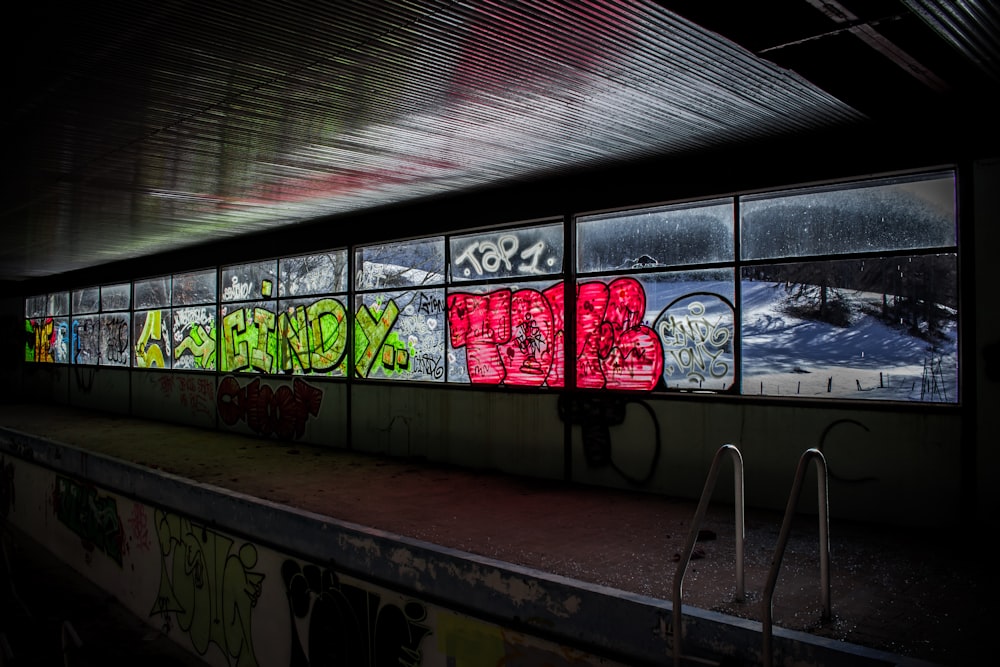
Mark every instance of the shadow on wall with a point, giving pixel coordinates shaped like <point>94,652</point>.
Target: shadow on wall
<point>11,347</point>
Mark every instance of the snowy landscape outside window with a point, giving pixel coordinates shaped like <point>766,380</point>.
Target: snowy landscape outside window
<point>852,292</point>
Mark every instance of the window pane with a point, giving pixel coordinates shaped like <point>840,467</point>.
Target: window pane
<point>323,273</point>
<point>151,339</point>
<point>515,253</point>
<point>400,335</point>
<point>58,304</point>
<point>152,293</point>
<point>678,235</point>
<point>249,338</point>
<point>116,297</point>
<point>193,288</point>
<point>194,336</point>
<point>883,329</point>
<point>114,339</point>
<point>256,280</point>
<point>511,335</point>
<point>85,344</point>
<point>416,263</point>
<point>86,300</point>
<point>312,336</point>
<point>36,306</point>
<point>48,339</point>
<point>887,214</point>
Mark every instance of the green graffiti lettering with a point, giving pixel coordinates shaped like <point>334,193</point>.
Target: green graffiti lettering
<point>327,334</point>
<point>235,352</point>
<point>372,331</point>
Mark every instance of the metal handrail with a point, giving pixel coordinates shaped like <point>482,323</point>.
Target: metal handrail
<point>699,516</point>
<point>779,553</point>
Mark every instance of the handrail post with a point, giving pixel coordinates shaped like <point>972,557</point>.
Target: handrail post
<point>779,553</point>
<point>699,516</point>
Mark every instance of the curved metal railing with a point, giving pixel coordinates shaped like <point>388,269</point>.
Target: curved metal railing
<point>779,553</point>
<point>699,516</point>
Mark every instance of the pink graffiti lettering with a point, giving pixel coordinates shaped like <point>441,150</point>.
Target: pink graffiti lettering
<point>282,412</point>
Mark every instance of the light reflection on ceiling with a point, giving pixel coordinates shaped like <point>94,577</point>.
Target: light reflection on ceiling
<point>138,129</point>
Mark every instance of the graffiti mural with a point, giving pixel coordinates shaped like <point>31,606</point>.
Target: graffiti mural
<point>47,340</point>
<point>400,335</point>
<point>114,340</point>
<point>152,339</point>
<point>207,587</point>
<point>335,623</point>
<point>516,337</point>
<point>194,338</point>
<point>696,332</point>
<point>197,394</point>
<point>304,337</point>
<point>86,340</point>
<point>91,516</point>
<point>280,412</point>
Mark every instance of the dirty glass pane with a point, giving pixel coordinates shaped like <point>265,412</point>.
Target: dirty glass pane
<point>400,335</point>
<point>58,304</point>
<point>193,288</point>
<point>249,338</point>
<point>508,335</point>
<point>414,263</point>
<point>151,339</point>
<point>322,273</point>
<point>116,297</point>
<point>255,280</point>
<point>36,306</point>
<point>655,331</point>
<point>194,336</point>
<point>87,300</point>
<point>526,252</point>
<point>114,345</point>
<point>874,329</point>
<point>85,341</point>
<point>878,215</point>
<point>677,235</point>
<point>151,293</point>
<point>312,336</point>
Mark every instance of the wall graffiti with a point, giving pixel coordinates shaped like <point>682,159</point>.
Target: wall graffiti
<point>281,412</point>
<point>92,517</point>
<point>304,338</point>
<point>208,587</point>
<point>334,623</point>
<point>197,394</point>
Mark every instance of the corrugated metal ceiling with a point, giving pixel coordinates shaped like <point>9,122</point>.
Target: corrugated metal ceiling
<point>137,129</point>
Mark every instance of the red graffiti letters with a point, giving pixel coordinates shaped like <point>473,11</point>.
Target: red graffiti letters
<point>282,412</point>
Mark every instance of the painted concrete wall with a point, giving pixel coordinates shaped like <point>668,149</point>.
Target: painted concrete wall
<point>204,566</point>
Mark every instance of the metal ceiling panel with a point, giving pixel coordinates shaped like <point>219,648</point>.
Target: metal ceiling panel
<point>140,129</point>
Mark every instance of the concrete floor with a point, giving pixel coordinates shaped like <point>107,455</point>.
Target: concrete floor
<point>919,594</point>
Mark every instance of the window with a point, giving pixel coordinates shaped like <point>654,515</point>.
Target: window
<point>192,320</point>
<point>655,298</point>
<point>399,310</point>
<point>506,307</point>
<point>851,291</point>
